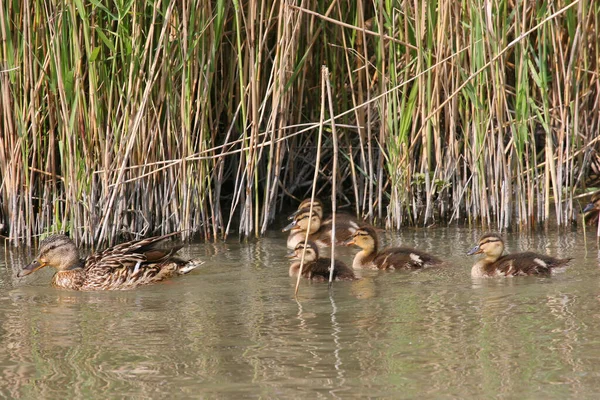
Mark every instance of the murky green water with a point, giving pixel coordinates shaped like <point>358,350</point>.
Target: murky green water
<point>232,329</point>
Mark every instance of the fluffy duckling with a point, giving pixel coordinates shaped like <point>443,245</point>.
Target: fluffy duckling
<point>317,268</point>
<point>371,257</point>
<point>320,233</point>
<point>317,206</point>
<point>495,264</point>
<point>125,266</point>
<point>592,210</point>
<point>299,226</point>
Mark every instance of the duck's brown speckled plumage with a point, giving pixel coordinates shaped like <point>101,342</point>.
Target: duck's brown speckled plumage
<point>124,266</point>
<point>315,267</point>
<point>370,257</point>
<point>517,264</point>
<point>592,210</point>
<point>320,232</point>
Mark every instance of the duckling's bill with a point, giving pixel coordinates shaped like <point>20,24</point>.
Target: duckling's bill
<point>349,241</point>
<point>475,250</point>
<point>289,227</point>
<point>291,254</point>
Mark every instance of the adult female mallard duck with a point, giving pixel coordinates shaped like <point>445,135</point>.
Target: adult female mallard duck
<point>592,210</point>
<point>125,266</point>
<point>320,233</point>
<point>391,258</point>
<point>495,264</point>
<point>315,267</point>
<point>317,206</point>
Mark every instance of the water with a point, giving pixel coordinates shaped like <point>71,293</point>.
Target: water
<point>232,329</point>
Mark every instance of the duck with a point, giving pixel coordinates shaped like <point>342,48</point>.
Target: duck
<point>592,210</point>
<point>317,206</point>
<point>300,225</point>
<point>517,264</point>
<point>125,266</point>
<point>315,267</point>
<point>319,232</point>
<point>371,257</point>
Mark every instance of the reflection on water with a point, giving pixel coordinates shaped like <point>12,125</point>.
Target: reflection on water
<point>233,328</point>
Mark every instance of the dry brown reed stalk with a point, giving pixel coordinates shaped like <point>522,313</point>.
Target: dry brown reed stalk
<point>314,182</point>
<point>325,78</point>
<point>123,120</point>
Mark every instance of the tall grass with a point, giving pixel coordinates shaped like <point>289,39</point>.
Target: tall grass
<point>128,118</point>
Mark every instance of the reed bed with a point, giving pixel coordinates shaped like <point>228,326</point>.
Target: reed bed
<point>128,118</point>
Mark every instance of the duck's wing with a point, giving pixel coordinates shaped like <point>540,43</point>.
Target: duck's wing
<point>343,272</point>
<point>343,231</point>
<point>528,263</point>
<point>404,258</point>
<point>320,270</point>
<point>135,263</point>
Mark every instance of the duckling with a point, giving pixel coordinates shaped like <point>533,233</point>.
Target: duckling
<point>125,266</point>
<point>320,233</point>
<point>592,210</point>
<point>391,258</point>
<point>495,264</point>
<point>299,226</point>
<point>340,217</point>
<point>317,268</point>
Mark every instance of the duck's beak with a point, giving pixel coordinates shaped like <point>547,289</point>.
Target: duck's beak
<point>475,250</point>
<point>289,227</point>
<point>348,242</point>
<point>291,254</point>
<point>34,266</point>
<point>589,207</point>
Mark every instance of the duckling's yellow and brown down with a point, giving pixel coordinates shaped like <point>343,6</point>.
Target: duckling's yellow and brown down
<point>517,264</point>
<point>315,267</point>
<point>343,218</point>
<point>319,232</point>
<point>371,257</point>
<point>125,266</point>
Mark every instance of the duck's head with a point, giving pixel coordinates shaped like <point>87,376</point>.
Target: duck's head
<point>57,251</point>
<point>490,244</point>
<point>301,220</point>
<point>594,204</point>
<point>365,237</point>
<point>310,249</point>
<point>317,207</point>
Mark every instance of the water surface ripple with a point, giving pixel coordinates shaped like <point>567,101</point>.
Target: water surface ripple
<point>232,329</point>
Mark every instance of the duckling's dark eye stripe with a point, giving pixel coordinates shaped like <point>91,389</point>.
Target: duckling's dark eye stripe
<point>490,241</point>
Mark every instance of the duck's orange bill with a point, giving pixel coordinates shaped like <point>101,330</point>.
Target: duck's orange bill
<point>34,266</point>
<point>348,242</point>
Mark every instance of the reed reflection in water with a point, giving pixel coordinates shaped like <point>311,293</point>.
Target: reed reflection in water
<point>233,329</point>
